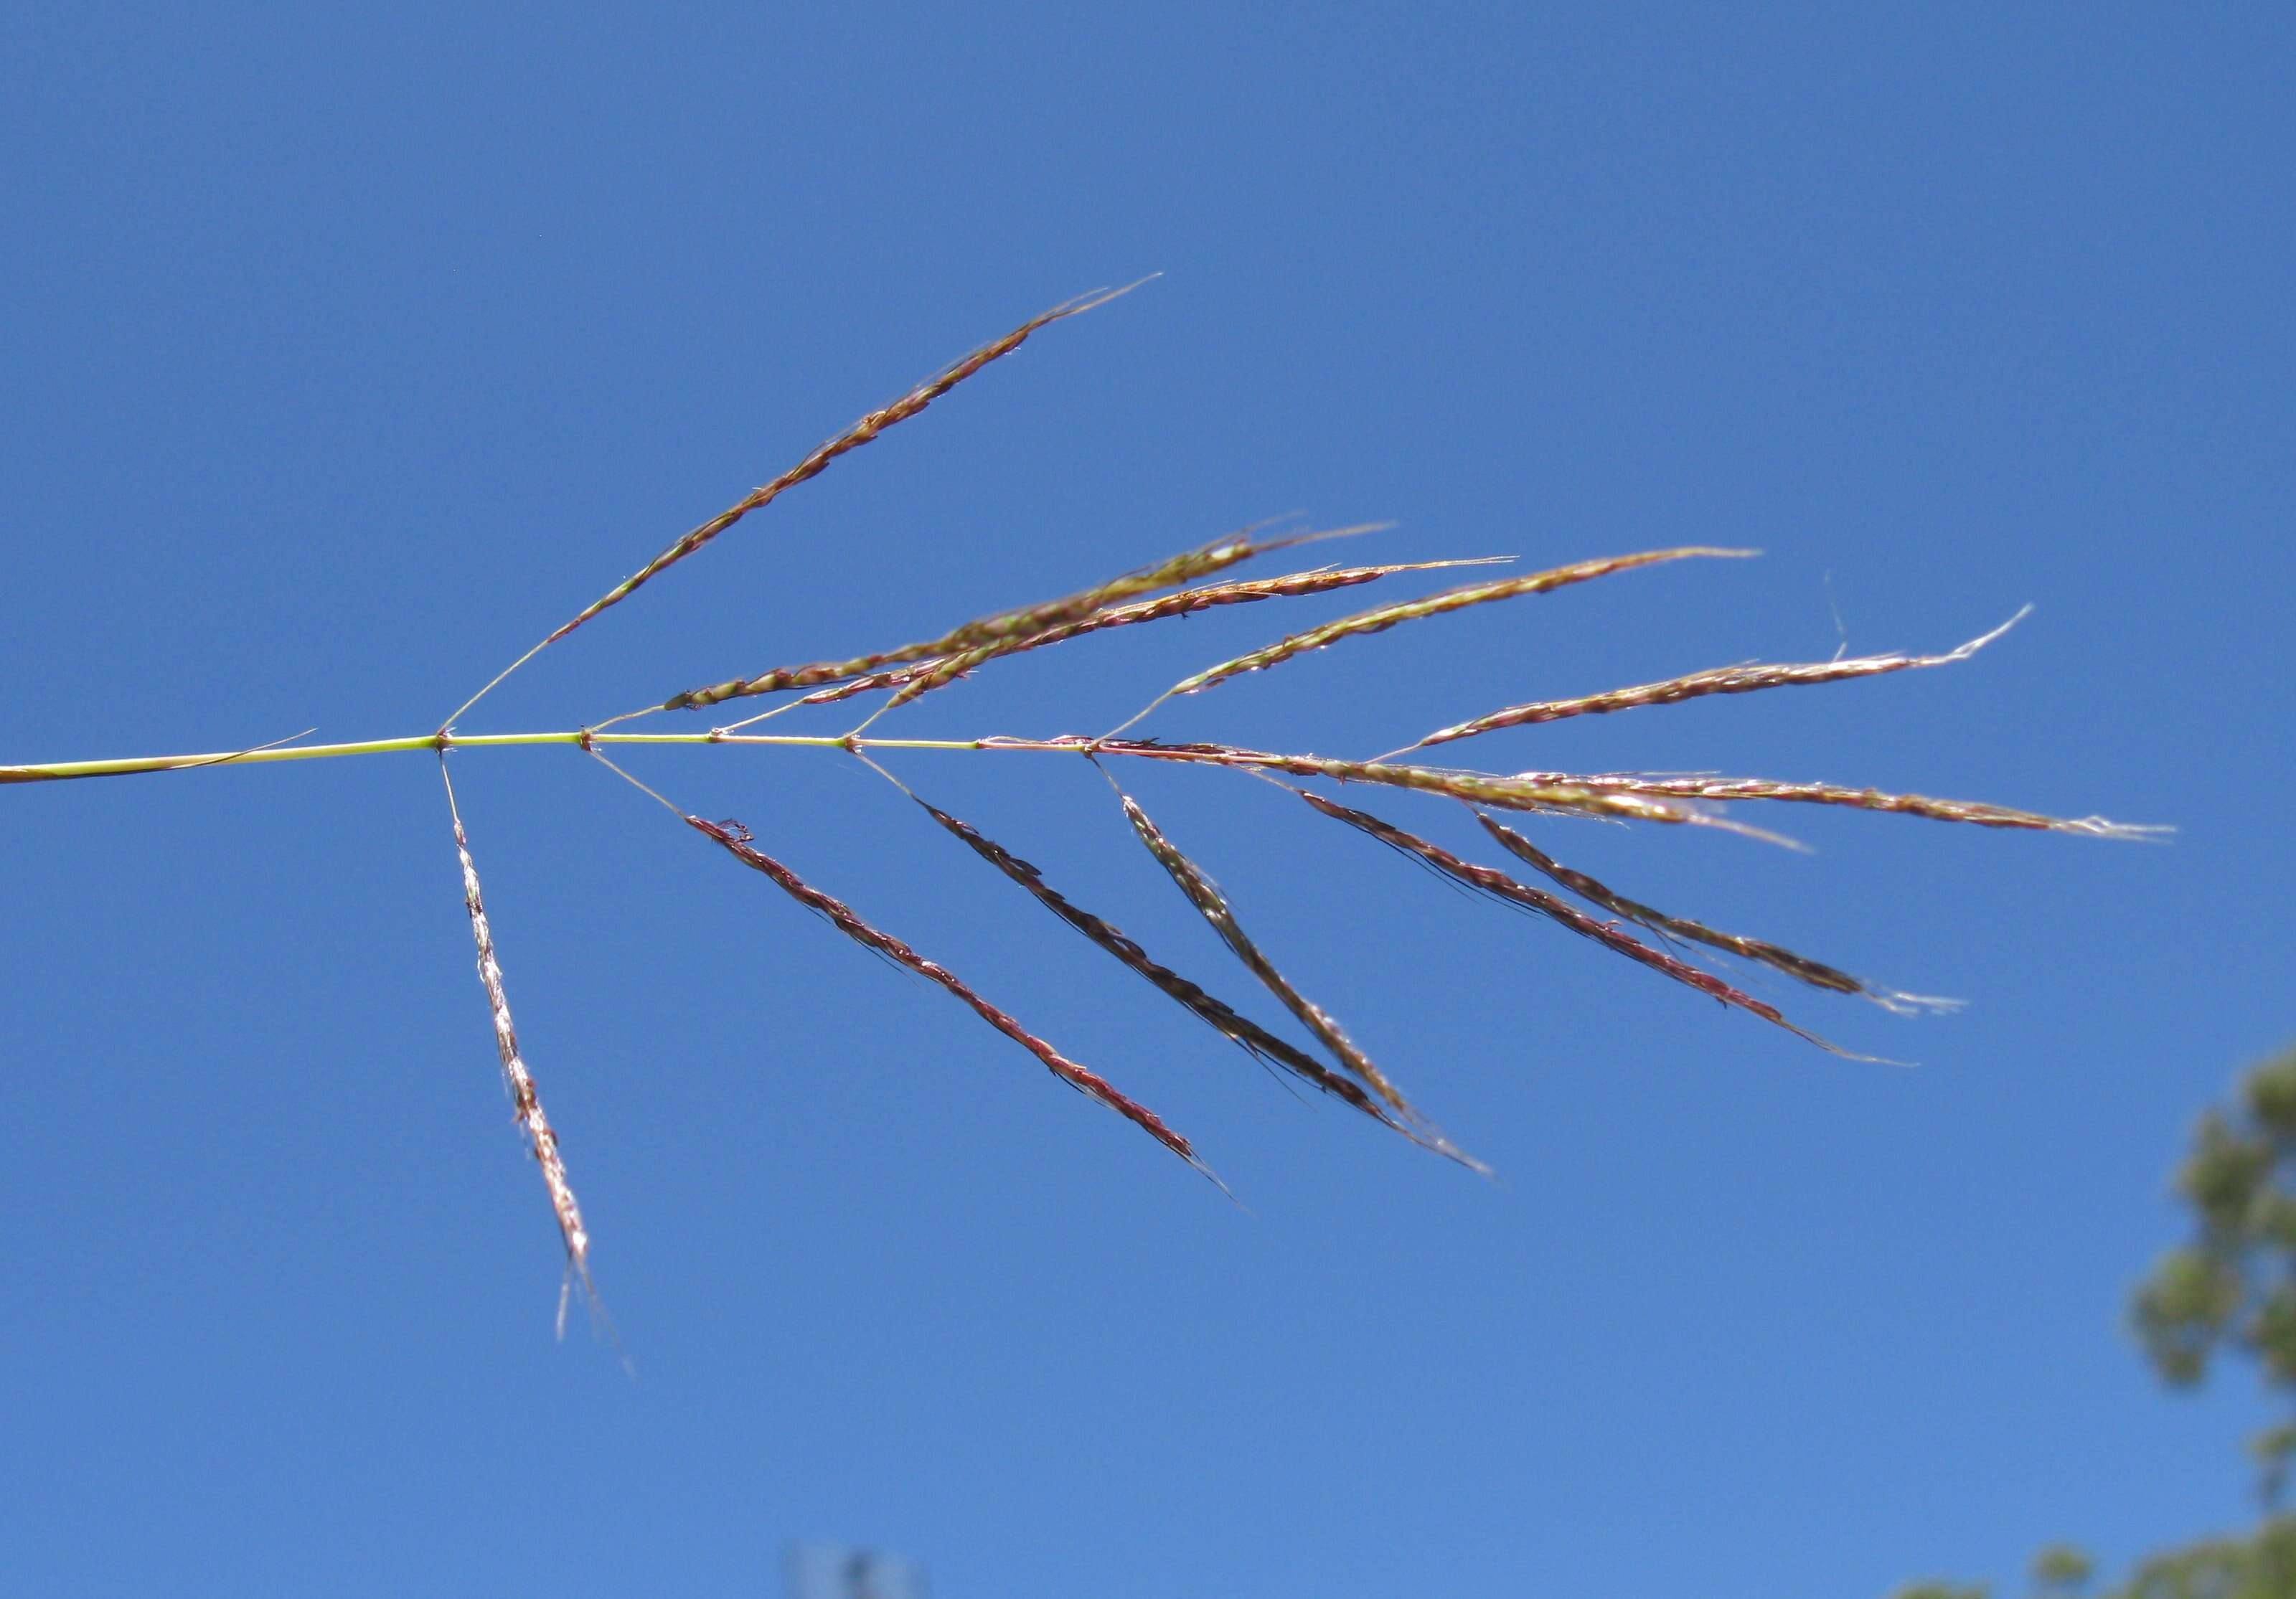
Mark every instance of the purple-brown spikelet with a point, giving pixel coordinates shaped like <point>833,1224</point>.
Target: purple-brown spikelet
<point>1366,623</point>
<point>735,839</point>
<point>1220,1016</point>
<point>1695,685</point>
<point>1498,885</point>
<point>1213,906</point>
<point>540,1137</point>
<point>1799,967</point>
<point>852,438</point>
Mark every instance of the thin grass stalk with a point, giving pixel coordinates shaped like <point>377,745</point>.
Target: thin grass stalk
<point>1799,967</point>
<point>540,1137</point>
<point>1183,568</point>
<point>1694,686</point>
<point>1365,623</point>
<point>163,764</point>
<point>735,839</point>
<point>1214,1013</point>
<point>1498,885</point>
<point>1213,906</point>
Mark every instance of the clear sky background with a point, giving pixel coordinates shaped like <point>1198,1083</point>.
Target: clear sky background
<point>346,358</point>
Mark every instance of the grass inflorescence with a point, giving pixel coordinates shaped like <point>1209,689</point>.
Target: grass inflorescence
<point>1188,583</point>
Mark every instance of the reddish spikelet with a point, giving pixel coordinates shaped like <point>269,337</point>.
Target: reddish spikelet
<point>1975,812</point>
<point>1213,906</point>
<point>1799,967</point>
<point>1366,623</point>
<point>1696,685</point>
<point>1220,1016</point>
<point>1500,886</point>
<point>1526,792</point>
<point>1009,625</point>
<point>539,1137</point>
<point>852,438</point>
<point>735,839</point>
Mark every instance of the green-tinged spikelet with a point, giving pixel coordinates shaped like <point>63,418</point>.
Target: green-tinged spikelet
<point>1183,568</point>
<point>924,679</point>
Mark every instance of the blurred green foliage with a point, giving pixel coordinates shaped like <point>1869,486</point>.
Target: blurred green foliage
<point>2233,1287</point>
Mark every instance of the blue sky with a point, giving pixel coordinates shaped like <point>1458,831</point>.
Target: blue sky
<point>348,356</point>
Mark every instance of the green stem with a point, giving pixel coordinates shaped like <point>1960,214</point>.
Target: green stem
<point>55,771</point>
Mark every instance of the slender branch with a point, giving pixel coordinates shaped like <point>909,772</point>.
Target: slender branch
<point>135,765</point>
<point>853,437</point>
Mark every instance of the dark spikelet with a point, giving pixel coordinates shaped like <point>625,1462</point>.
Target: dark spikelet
<point>1498,885</point>
<point>1799,967</point>
<point>852,438</point>
<point>1365,623</point>
<point>1214,1013</point>
<point>1973,811</point>
<point>1696,685</point>
<point>735,839</point>
<point>1024,622</point>
<point>1212,905</point>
